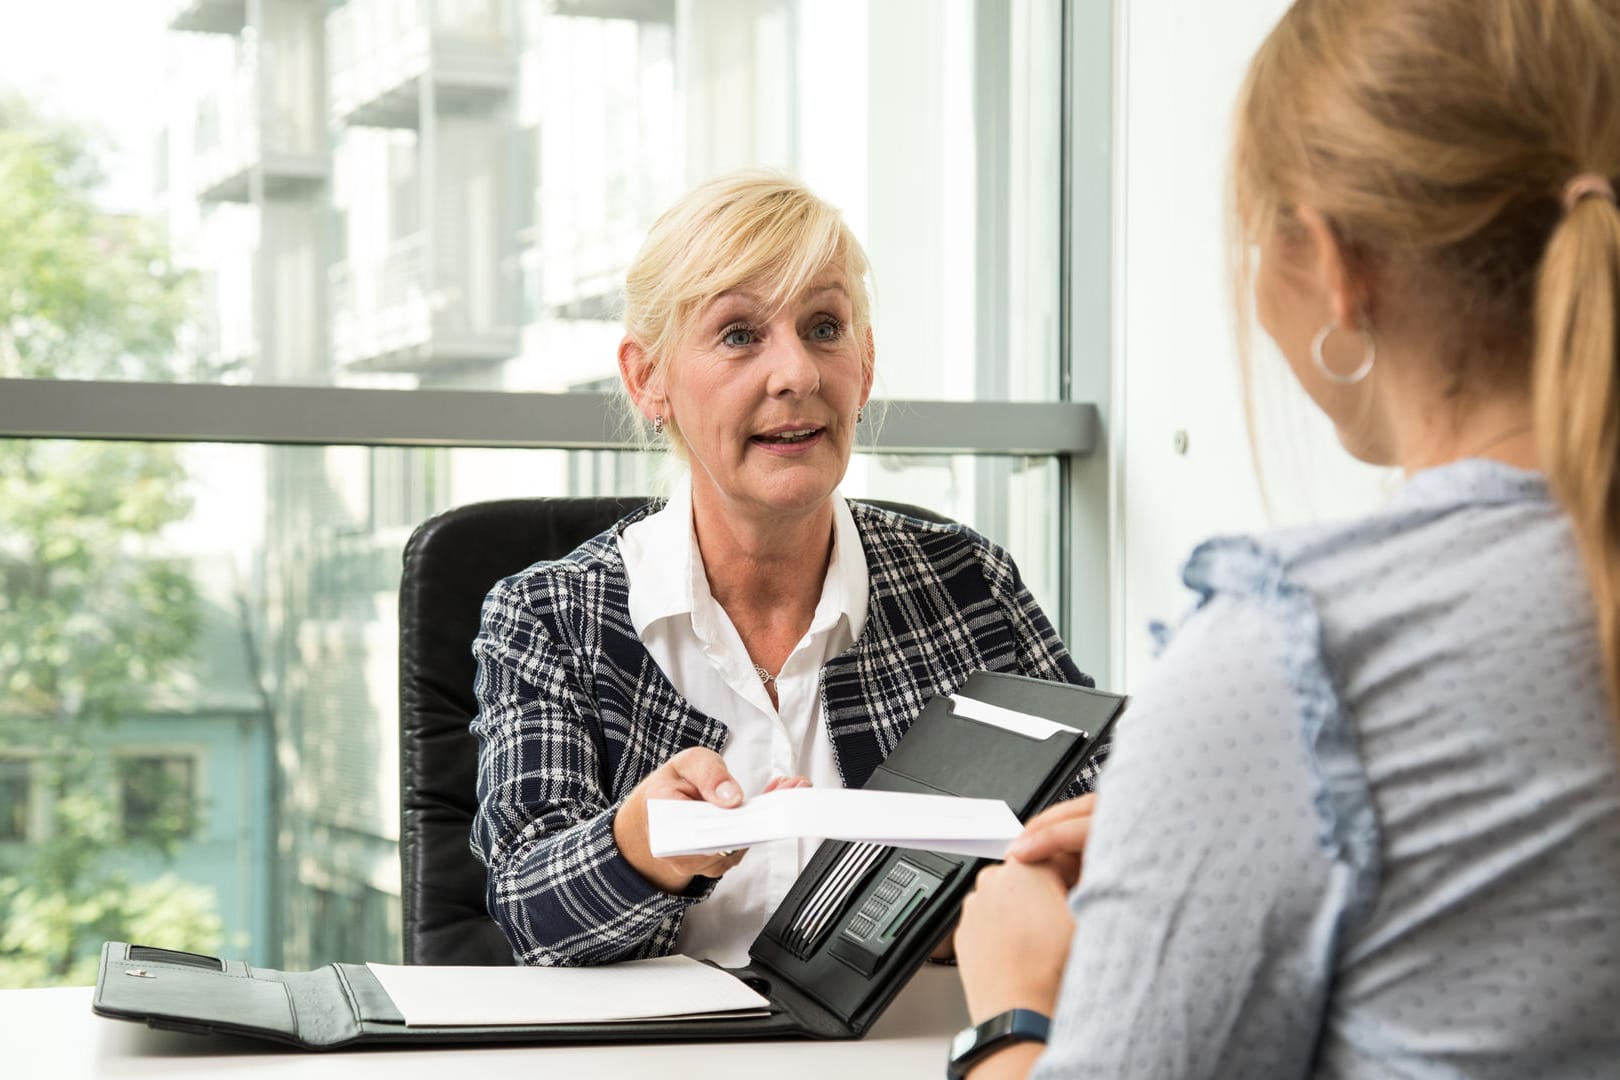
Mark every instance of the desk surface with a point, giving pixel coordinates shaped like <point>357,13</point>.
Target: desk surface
<point>52,1033</point>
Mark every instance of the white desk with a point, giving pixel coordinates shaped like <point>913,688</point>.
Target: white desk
<point>53,1035</point>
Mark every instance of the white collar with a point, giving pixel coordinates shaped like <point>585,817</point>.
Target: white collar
<point>667,579</point>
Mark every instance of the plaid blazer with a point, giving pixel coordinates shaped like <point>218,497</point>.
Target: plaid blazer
<point>573,713</point>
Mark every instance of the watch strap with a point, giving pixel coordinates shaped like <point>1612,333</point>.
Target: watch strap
<point>1003,1029</point>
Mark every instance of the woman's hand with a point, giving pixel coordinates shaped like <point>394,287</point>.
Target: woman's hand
<point>1013,939</point>
<point>696,774</point>
<point>1057,835</point>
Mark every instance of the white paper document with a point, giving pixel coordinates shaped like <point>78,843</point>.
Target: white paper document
<point>667,988</point>
<point>978,827</point>
<point>1019,723</point>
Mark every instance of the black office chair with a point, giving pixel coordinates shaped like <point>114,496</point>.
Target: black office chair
<point>450,564</point>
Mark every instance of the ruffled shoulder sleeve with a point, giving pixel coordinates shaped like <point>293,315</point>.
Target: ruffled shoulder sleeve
<point>1244,568</point>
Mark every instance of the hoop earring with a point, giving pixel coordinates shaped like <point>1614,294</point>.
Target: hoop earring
<point>658,424</point>
<point>1369,356</point>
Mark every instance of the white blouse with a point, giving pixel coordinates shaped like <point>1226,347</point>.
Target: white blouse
<point>693,641</point>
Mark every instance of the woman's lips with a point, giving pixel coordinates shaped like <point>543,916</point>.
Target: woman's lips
<point>789,440</point>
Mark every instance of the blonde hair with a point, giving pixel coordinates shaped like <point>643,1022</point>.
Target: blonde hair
<point>756,228</point>
<point>1436,138</point>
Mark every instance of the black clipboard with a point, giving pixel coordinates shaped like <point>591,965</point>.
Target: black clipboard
<point>856,925</point>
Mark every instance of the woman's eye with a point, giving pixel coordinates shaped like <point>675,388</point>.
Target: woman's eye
<point>826,331</point>
<point>737,336</point>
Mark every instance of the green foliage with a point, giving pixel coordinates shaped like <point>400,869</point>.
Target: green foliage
<point>88,619</point>
<point>54,938</point>
<point>93,620</point>
<point>83,294</point>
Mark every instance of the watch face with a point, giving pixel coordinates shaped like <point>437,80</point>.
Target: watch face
<point>964,1041</point>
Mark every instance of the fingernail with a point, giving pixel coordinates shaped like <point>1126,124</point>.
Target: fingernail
<point>1018,847</point>
<point>729,793</point>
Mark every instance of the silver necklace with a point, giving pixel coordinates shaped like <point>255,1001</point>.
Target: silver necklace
<point>764,676</point>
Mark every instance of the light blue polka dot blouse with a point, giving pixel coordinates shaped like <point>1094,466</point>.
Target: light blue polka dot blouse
<point>1365,819</point>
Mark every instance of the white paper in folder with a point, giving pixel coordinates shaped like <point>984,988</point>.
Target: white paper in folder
<point>666,988</point>
<point>1019,723</point>
<point>981,828</point>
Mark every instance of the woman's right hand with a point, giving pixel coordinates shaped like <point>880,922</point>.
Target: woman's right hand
<point>696,774</point>
<point>1057,835</point>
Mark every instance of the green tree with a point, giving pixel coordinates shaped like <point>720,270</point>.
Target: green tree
<point>93,619</point>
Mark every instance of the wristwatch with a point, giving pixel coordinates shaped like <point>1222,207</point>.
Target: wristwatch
<point>1003,1029</point>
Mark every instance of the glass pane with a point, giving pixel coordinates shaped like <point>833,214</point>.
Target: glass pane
<point>159,795</point>
<point>15,789</point>
<point>446,193</point>
<point>1013,501</point>
<point>198,677</point>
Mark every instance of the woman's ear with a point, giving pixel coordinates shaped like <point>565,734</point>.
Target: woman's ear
<point>1335,273</point>
<point>645,386</point>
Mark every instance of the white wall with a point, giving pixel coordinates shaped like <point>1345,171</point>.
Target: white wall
<point>1178,66</point>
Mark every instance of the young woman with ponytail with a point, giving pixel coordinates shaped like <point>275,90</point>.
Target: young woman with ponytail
<point>1389,844</point>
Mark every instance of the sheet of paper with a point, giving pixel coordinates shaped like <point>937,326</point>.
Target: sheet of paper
<point>1019,723</point>
<point>978,827</point>
<point>669,987</point>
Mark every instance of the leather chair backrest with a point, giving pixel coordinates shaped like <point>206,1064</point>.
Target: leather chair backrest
<point>451,562</point>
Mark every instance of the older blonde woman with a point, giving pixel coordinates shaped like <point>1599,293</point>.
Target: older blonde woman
<point>754,631</point>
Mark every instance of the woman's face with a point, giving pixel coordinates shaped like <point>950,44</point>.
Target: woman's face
<point>766,401</point>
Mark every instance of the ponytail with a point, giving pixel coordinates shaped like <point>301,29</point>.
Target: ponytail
<point>1576,390</point>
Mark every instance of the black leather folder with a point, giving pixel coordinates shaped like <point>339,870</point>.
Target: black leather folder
<point>857,923</point>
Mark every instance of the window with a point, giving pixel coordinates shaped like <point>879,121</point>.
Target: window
<point>375,229</point>
<point>159,795</point>
<point>16,790</point>
<point>325,310</point>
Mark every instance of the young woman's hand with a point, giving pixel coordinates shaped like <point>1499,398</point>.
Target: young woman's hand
<point>1013,939</point>
<point>1057,835</point>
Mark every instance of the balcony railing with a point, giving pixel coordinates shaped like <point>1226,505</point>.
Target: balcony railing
<point>223,332</point>
<point>645,11</point>
<point>378,50</point>
<point>208,16</point>
<point>587,234</point>
<point>236,133</point>
<point>584,278</point>
<point>402,314</point>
